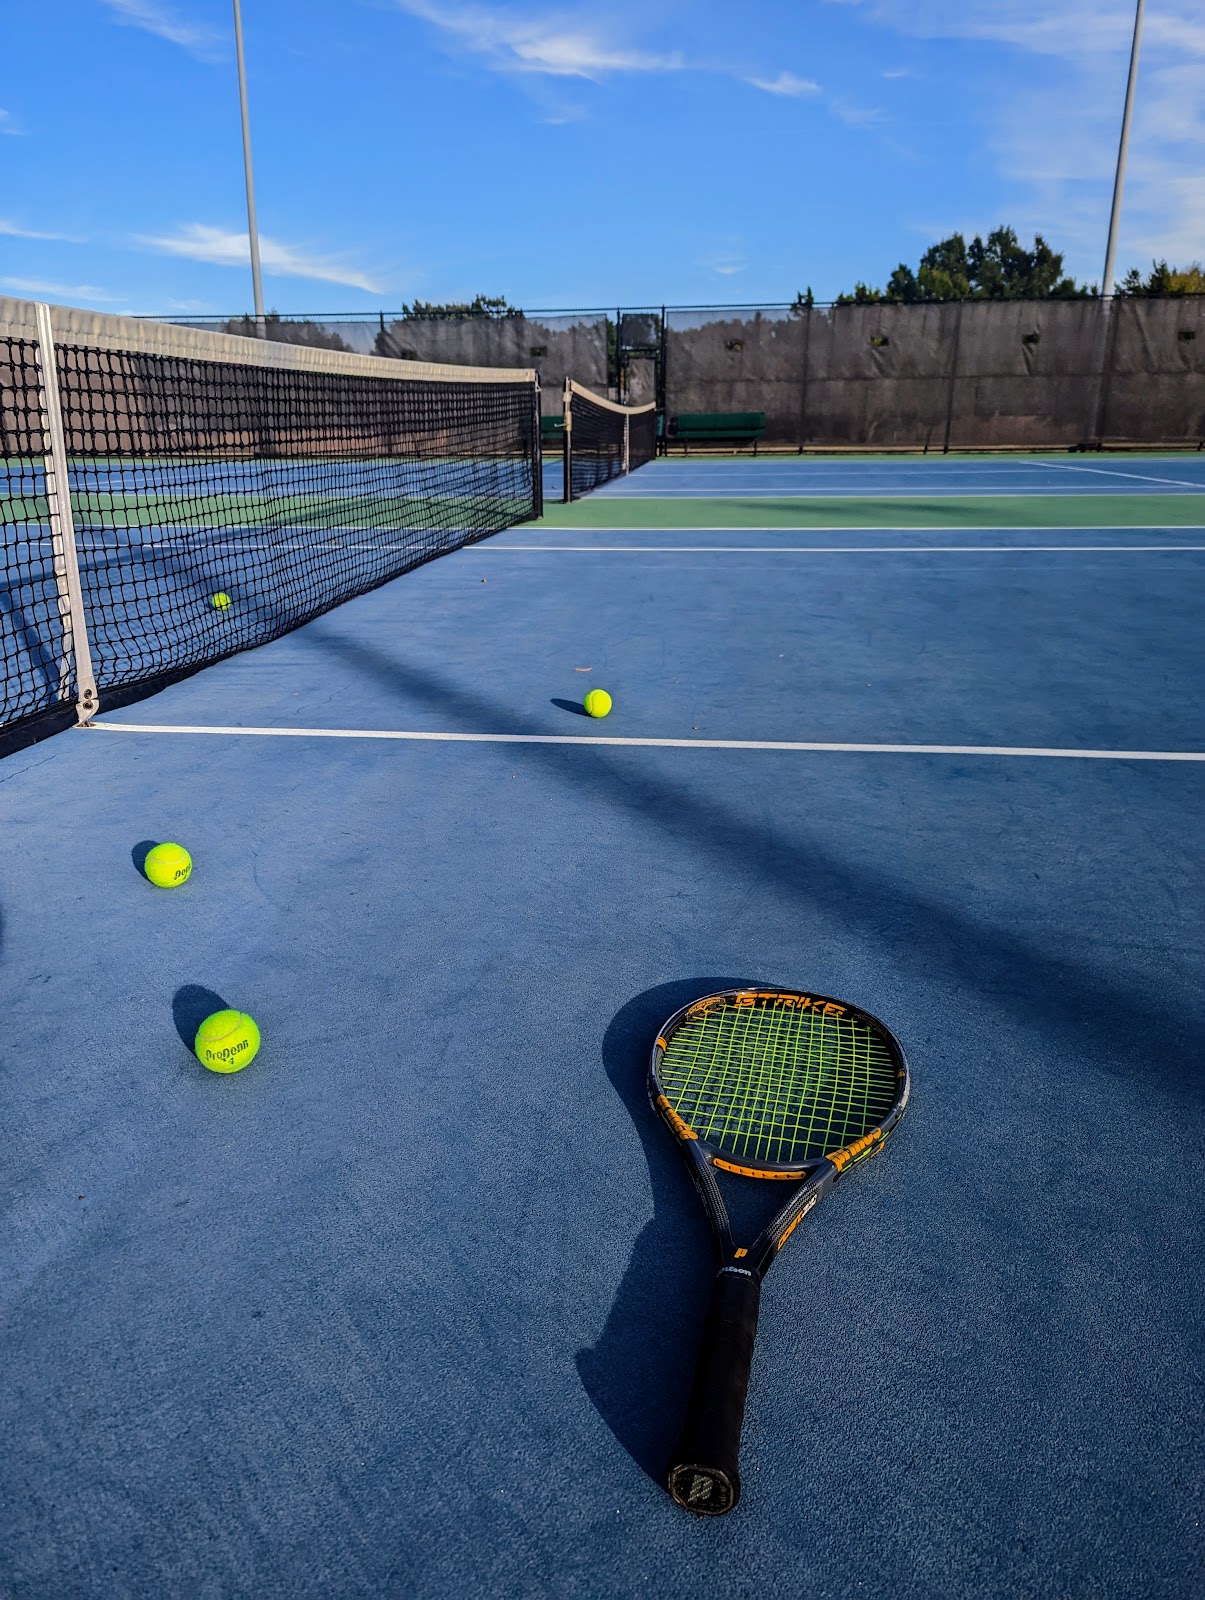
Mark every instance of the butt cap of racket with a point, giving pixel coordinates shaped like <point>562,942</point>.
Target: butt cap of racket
<point>703,1475</point>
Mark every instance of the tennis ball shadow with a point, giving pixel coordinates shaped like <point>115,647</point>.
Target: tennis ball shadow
<point>637,1375</point>
<point>139,854</point>
<point>575,706</point>
<point>190,1006</point>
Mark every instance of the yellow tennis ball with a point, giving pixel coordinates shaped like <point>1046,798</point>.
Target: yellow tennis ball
<point>598,703</point>
<point>168,866</point>
<point>227,1041</point>
<point>219,601</point>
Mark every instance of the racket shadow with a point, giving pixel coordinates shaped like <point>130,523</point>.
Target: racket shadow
<point>637,1374</point>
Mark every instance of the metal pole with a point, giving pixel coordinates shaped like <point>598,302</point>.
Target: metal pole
<point>76,651</point>
<point>257,287</point>
<point>537,450</point>
<point>1106,285</point>
<point>1097,419</point>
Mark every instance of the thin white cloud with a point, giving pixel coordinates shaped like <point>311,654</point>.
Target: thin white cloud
<point>200,40</point>
<point>13,230</point>
<point>1074,29</point>
<point>1054,139</point>
<point>856,116</point>
<point>897,72</point>
<point>7,125</point>
<point>548,47</point>
<point>726,265</point>
<point>1166,220</point>
<point>68,291</point>
<point>196,241</point>
<point>786,83</point>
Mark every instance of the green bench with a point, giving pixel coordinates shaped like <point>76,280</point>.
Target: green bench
<point>552,431</point>
<point>716,427</point>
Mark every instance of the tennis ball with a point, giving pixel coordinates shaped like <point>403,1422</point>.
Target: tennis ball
<point>168,866</point>
<point>598,703</point>
<point>227,1041</point>
<point>219,601</point>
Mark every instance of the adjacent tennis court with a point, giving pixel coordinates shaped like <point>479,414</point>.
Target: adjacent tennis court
<point>409,1306</point>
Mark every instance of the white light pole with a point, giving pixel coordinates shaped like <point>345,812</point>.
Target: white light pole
<point>257,287</point>
<point>1123,148</point>
<point>1106,282</point>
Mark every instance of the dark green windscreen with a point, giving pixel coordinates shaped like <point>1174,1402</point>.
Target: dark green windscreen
<point>770,1082</point>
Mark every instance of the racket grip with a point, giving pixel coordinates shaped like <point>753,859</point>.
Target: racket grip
<point>703,1473</point>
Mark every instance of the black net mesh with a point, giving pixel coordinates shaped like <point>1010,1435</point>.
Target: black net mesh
<point>598,446</point>
<point>642,438</point>
<point>594,446</point>
<point>219,504</point>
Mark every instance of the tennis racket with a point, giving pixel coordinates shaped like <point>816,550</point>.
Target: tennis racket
<point>772,1084</point>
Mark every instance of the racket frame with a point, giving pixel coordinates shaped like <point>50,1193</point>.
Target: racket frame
<point>708,1449</point>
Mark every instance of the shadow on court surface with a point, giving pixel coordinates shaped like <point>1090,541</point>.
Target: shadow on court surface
<point>139,854</point>
<point>638,1374</point>
<point>1073,1003</point>
<point>575,706</point>
<point>191,1004</point>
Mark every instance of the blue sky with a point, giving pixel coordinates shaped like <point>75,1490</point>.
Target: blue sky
<point>577,155</point>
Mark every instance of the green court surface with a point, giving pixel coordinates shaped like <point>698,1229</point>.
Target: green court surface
<point>881,511</point>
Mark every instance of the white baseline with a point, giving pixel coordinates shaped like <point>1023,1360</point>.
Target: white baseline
<point>651,744</point>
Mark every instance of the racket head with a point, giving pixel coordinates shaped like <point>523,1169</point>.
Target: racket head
<point>768,1082</point>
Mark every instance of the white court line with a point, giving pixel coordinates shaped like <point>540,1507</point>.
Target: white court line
<point>922,491</point>
<point>899,461</point>
<point>837,527</point>
<point>834,549</point>
<point>254,542</point>
<point>659,744</point>
<point>1142,477</point>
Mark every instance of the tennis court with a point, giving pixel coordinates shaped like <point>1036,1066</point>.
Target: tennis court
<point>410,1305</point>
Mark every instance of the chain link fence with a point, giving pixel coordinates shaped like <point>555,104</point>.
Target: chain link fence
<point>953,376</point>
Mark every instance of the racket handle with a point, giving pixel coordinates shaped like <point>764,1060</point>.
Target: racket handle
<point>703,1474</point>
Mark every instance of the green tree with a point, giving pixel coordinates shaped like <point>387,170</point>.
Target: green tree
<point>996,268</point>
<point>945,272</point>
<point>1002,269</point>
<point>482,305</point>
<point>1164,280</point>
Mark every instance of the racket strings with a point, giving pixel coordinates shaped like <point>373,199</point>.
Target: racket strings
<point>775,1084</point>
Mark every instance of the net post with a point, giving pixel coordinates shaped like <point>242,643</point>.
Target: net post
<point>567,440</point>
<point>627,445</point>
<point>659,392</point>
<point>537,450</point>
<point>75,648</point>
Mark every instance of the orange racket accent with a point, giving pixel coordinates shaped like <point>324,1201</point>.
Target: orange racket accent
<point>682,1129</point>
<point>753,1172</point>
<point>842,1158</point>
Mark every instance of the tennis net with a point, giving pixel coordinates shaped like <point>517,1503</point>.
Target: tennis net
<point>603,440</point>
<point>170,496</point>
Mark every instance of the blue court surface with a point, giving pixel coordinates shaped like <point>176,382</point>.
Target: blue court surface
<point>410,1305</point>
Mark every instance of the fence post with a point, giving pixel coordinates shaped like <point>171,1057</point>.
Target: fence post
<point>803,378</point>
<point>945,449</point>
